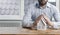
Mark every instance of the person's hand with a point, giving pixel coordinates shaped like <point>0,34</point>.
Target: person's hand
<point>48,20</point>
<point>36,21</point>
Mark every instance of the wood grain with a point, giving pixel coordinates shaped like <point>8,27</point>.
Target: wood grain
<point>25,31</point>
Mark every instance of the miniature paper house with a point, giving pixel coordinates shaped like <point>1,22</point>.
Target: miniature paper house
<point>41,25</point>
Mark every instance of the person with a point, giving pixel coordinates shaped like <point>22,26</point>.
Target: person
<point>34,14</point>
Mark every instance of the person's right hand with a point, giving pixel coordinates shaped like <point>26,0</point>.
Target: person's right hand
<point>37,20</point>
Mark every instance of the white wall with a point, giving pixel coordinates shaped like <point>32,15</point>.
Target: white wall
<point>22,9</point>
<point>57,4</point>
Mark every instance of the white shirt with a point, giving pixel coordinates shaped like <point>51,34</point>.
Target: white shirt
<point>34,11</point>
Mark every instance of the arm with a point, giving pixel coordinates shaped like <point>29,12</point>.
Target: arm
<point>27,20</point>
<point>56,17</point>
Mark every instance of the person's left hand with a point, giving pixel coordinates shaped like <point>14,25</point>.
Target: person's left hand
<point>47,20</point>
